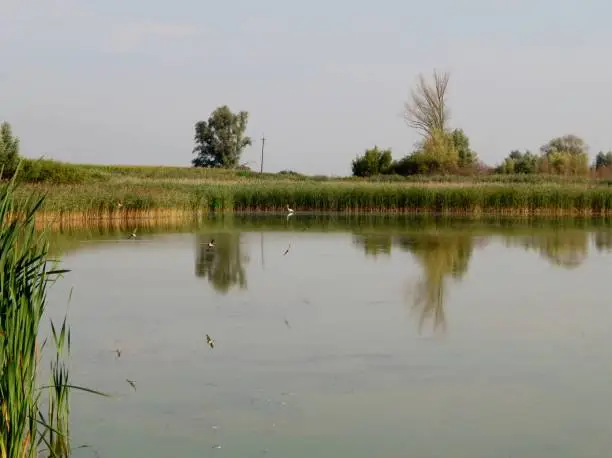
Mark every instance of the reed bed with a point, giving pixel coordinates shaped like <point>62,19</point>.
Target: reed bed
<point>104,201</point>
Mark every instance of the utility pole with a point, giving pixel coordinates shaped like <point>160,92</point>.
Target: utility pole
<point>263,143</point>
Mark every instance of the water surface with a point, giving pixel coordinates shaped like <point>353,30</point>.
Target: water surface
<point>386,337</point>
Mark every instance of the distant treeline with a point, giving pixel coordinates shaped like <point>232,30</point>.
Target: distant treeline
<point>562,156</point>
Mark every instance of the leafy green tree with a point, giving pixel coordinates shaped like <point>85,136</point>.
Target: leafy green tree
<point>221,140</point>
<point>517,162</point>
<point>466,156</point>
<point>570,144</point>
<point>9,150</point>
<point>438,153</point>
<point>603,160</point>
<point>567,155</point>
<point>373,162</point>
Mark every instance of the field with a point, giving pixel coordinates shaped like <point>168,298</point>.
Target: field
<point>102,192</point>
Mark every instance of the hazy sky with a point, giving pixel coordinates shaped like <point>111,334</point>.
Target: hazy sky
<point>124,81</point>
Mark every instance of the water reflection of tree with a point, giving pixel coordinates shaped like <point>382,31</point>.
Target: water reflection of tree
<point>373,244</point>
<point>442,257</point>
<point>223,265</point>
<point>603,241</point>
<point>562,248</point>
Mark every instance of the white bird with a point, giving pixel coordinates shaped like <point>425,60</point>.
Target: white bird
<point>290,210</point>
<point>133,234</point>
<point>211,244</point>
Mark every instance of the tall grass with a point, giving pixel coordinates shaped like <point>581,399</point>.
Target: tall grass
<point>102,200</point>
<point>26,272</point>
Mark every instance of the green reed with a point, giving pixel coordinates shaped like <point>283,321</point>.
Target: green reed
<point>26,272</point>
<point>525,199</point>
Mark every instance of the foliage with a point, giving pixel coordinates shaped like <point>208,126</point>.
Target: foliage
<point>441,150</point>
<point>569,144</point>
<point>49,171</point>
<point>9,150</point>
<point>373,162</point>
<point>603,160</point>
<point>438,150</point>
<point>567,155</point>
<point>221,140</point>
<point>517,162</point>
<point>417,163</point>
<point>438,153</point>
<point>466,157</point>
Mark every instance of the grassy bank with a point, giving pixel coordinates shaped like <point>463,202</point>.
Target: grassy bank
<point>55,172</point>
<point>123,200</point>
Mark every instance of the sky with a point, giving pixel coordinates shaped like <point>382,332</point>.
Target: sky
<point>124,81</point>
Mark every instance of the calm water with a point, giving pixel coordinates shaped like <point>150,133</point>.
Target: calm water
<point>370,338</point>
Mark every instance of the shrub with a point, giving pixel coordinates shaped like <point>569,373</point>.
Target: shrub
<point>49,171</point>
<point>373,162</point>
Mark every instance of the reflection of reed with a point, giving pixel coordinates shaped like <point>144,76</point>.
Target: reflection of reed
<point>65,237</point>
<point>603,241</point>
<point>562,248</point>
<point>441,257</point>
<point>116,218</point>
<point>222,265</point>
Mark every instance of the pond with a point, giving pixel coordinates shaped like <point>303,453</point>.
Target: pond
<point>371,337</point>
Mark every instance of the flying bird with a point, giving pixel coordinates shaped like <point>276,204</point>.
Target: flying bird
<point>131,382</point>
<point>210,341</point>
<point>287,250</point>
<point>211,244</point>
<point>133,234</point>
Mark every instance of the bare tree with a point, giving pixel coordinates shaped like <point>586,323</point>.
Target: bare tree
<point>427,111</point>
